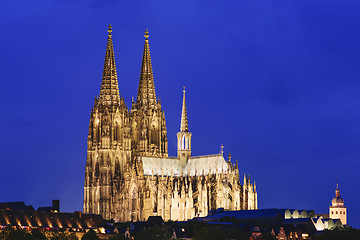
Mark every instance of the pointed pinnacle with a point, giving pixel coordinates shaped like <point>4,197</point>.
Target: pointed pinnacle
<point>109,92</point>
<point>184,121</point>
<point>146,91</point>
<point>146,35</point>
<point>109,30</point>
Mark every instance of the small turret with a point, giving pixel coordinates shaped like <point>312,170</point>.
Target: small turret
<point>222,149</point>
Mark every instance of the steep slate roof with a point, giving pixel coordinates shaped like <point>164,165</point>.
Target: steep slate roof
<point>154,220</point>
<point>257,216</point>
<point>16,206</point>
<point>46,209</point>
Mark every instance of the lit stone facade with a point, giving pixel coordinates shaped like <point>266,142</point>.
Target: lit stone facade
<point>129,175</point>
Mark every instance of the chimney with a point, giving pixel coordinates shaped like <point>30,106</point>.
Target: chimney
<point>78,214</point>
<point>56,205</point>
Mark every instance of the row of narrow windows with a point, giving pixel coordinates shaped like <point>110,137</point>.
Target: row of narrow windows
<point>184,143</point>
<point>336,212</point>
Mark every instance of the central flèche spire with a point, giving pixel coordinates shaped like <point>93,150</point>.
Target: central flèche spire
<point>184,121</point>
<point>109,92</point>
<point>146,93</point>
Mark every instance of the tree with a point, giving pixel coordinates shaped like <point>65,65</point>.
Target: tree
<point>154,233</point>
<point>90,235</point>
<point>348,233</point>
<point>36,234</point>
<point>267,236</point>
<point>217,232</point>
<point>17,234</point>
<point>118,236</point>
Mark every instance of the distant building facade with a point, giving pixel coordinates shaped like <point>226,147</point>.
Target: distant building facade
<point>129,175</point>
<point>19,215</point>
<point>282,223</point>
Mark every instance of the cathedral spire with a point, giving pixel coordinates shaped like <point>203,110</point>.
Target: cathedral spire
<point>146,92</point>
<point>109,92</point>
<point>184,136</point>
<point>184,121</point>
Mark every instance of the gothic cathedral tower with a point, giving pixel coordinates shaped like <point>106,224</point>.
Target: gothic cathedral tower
<point>109,142</point>
<point>148,127</point>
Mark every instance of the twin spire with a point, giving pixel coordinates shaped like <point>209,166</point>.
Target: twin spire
<point>109,92</point>
<point>146,97</point>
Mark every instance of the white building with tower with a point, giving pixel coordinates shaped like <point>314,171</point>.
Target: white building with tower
<point>338,210</point>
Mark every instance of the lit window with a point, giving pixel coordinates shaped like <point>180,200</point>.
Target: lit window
<point>336,212</point>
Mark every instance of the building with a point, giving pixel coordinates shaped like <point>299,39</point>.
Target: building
<point>338,210</point>
<point>282,223</point>
<point>54,208</point>
<point>129,175</point>
<point>19,215</point>
<point>16,206</point>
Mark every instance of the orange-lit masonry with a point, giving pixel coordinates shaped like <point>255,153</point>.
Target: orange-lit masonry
<point>36,219</point>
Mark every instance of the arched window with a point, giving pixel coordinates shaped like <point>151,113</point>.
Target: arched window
<point>117,167</point>
<point>154,136</point>
<point>133,199</point>
<point>97,169</point>
<point>91,129</point>
<point>116,132</point>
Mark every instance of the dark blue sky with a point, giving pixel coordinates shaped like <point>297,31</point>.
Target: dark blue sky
<point>276,82</point>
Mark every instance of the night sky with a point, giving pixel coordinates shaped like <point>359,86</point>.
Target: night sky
<point>276,82</point>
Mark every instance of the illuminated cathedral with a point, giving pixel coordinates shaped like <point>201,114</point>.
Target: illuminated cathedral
<point>129,175</point>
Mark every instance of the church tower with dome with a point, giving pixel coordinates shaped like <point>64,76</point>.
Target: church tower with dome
<point>338,210</point>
